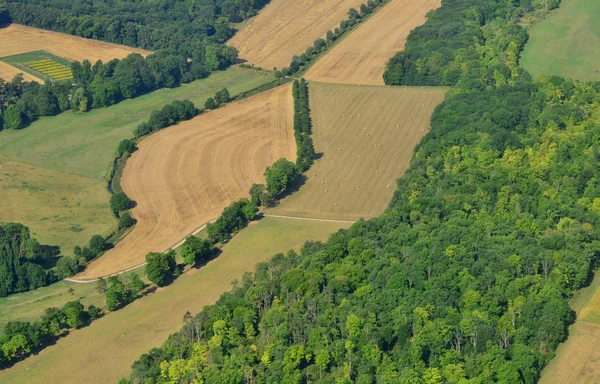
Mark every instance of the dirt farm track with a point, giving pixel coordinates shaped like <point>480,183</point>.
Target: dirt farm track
<point>185,175</point>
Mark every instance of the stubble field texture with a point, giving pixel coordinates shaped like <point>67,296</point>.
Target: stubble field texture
<point>183,176</point>
<point>566,43</point>
<point>366,135</point>
<point>111,344</point>
<point>361,57</point>
<point>285,28</point>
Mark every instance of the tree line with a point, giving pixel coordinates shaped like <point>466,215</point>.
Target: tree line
<point>305,151</point>
<point>465,277</point>
<point>168,115</point>
<point>149,25</point>
<point>19,338</point>
<point>100,85</point>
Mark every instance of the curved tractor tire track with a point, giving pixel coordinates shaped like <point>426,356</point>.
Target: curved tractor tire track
<point>187,174</point>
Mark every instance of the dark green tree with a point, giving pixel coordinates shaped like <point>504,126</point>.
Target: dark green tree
<point>119,202</point>
<point>161,267</point>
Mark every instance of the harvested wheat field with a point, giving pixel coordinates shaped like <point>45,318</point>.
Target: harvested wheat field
<point>366,135</point>
<point>362,56</point>
<point>7,72</point>
<point>183,176</point>
<point>287,27</point>
<point>18,39</point>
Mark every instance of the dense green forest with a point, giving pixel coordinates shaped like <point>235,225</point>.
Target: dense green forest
<point>153,25</point>
<point>465,278</point>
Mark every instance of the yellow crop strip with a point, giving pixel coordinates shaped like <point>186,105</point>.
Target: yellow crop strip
<point>51,69</point>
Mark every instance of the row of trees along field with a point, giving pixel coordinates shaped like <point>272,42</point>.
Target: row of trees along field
<point>104,84</point>
<point>319,46</point>
<point>466,276</point>
<point>305,150</point>
<point>188,25</point>
<point>25,264</point>
<point>20,338</point>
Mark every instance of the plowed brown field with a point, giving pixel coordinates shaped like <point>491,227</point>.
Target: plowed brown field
<point>18,39</point>
<point>287,27</point>
<point>361,57</point>
<point>366,135</point>
<point>184,176</point>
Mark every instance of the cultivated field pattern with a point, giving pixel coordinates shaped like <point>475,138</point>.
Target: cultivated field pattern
<point>361,57</point>
<point>18,39</point>
<point>285,28</point>
<point>51,68</point>
<point>183,176</point>
<point>366,135</point>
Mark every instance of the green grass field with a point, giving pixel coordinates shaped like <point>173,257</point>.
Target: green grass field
<point>567,42</point>
<point>85,143</point>
<point>59,208</point>
<point>27,63</point>
<point>119,338</point>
